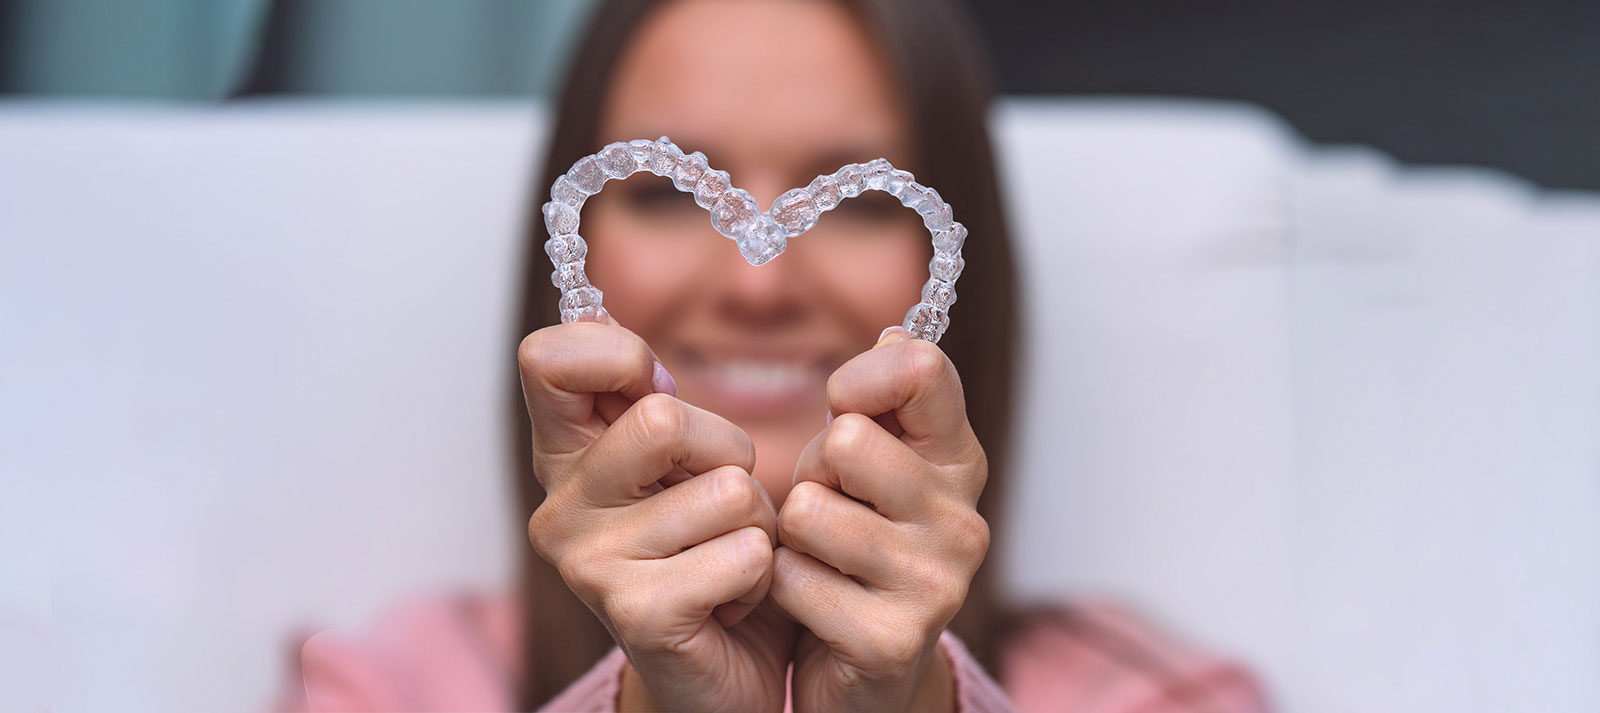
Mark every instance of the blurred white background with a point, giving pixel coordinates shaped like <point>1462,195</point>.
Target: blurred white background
<point>1332,415</point>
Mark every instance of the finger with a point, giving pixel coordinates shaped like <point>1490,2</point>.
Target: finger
<point>817,597</point>
<point>655,436</point>
<point>730,613</point>
<point>702,508</point>
<point>734,567</point>
<point>915,381</point>
<point>611,406</point>
<point>857,457</point>
<point>890,423</point>
<point>840,532</point>
<point>564,366</point>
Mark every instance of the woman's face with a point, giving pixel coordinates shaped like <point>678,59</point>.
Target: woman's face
<point>774,92</point>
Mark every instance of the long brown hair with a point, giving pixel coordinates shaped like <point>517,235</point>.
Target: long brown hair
<point>945,84</point>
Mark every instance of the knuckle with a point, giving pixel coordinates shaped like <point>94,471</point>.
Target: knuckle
<point>638,351</point>
<point>755,548</point>
<point>751,499</point>
<point>733,491</point>
<point>542,528</point>
<point>801,509</point>
<point>923,362</point>
<point>659,417</point>
<point>848,434</point>
<point>949,593</point>
<point>971,535</point>
<point>640,359</point>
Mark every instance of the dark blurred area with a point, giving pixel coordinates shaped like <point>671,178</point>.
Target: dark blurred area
<point>1514,86</point>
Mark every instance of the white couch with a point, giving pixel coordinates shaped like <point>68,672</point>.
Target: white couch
<point>1338,417</point>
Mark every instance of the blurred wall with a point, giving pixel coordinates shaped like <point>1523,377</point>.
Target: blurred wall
<point>217,49</point>
<point>414,47</point>
<point>1513,85</point>
<point>183,49</point>
<point>1506,85</point>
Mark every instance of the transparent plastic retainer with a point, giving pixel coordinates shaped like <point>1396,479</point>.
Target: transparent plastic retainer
<point>760,236</point>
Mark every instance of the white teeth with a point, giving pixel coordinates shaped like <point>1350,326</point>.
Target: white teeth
<point>759,377</point>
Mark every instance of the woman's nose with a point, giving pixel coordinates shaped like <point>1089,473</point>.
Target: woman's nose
<point>764,295</point>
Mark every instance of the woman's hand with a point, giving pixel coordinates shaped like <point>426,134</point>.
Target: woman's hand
<point>654,521</point>
<point>880,537</point>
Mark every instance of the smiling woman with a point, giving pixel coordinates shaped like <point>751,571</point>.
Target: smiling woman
<point>777,93</point>
<point>741,492</point>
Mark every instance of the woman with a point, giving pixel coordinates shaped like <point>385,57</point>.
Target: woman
<point>704,534</point>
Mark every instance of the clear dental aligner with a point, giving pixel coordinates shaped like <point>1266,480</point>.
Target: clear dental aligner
<point>760,236</point>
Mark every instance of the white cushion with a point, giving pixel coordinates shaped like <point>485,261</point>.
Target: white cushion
<point>1448,380</point>
<point>1157,445</point>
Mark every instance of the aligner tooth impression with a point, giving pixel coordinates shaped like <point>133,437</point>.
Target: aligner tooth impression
<point>760,236</point>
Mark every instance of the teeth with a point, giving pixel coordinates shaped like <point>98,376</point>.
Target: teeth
<point>762,377</point>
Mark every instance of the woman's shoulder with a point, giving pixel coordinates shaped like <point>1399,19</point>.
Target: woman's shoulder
<point>1098,655</point>
<point>454,652</point>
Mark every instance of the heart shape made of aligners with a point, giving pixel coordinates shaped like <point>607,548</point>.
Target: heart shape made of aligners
<point>760,236</point>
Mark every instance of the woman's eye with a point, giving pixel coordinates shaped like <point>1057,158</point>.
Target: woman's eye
<point>659,200</point>
<point>871,205</point>
<point>656,197</point>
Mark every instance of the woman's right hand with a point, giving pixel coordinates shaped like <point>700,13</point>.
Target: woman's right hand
<point>654,521</point>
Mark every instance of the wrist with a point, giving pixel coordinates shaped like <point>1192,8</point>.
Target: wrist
<point>936,689</point>
<point>632,696</point>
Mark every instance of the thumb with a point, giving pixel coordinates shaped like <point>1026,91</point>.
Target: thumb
<point>610,406</point>
<point>890,335</point>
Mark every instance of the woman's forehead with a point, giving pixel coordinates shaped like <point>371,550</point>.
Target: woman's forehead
<point>785,80</point>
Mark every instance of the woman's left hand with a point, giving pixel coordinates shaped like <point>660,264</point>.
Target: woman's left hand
<point>880,536</point>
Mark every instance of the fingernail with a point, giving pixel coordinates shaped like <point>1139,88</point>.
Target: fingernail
<point>891,335</point>
<point>830,416</point>
<point>662,382</point>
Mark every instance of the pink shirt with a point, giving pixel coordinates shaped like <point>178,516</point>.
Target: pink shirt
<point>461,655</point>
